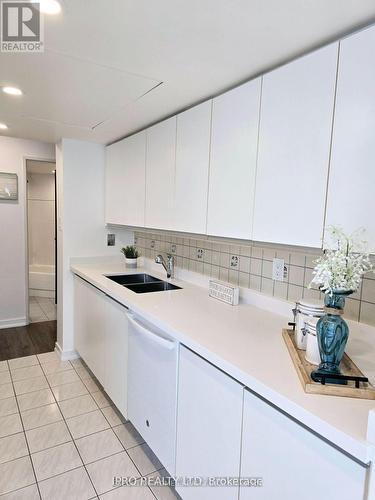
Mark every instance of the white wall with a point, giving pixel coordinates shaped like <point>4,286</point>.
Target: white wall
<point>13,242</point>
<point>41,218</point>
<point>81,226</point>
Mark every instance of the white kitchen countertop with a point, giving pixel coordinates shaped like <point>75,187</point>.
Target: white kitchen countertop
<point>246,342</point>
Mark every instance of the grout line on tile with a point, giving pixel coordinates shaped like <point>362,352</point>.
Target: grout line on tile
<point>75,445</point>
<point>24,434</point>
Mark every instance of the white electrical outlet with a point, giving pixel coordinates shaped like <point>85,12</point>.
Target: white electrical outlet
<point>278,270</point>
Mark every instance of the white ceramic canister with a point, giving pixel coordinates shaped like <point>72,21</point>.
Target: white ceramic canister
<point>312,349</point>
<point>305,310</point>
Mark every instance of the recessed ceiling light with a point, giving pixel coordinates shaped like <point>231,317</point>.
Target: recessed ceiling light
<point>3,126</point>
<point>12,90</point>
<point>50,7</point>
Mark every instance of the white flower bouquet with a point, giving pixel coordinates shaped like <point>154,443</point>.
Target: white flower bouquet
<point>342,266</point>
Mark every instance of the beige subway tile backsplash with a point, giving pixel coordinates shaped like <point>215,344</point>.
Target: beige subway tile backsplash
<point>367,313</point>
<point>256,253</point>
<point>245,264</point>
<point>244,280</point>
<point>281,290</point>
<point>368,291</point>
<point>296,275</point>
<point>256,267</point>
<point>267,286</point>
<point>255,282</point>
<point>269,253</point>
<point>245,251</point>
<point>352,309</point>
<point>267,269</point>
<point>297,259</point>
<point>295,292</point>
<point>249,265</point>
<point>309,293</point>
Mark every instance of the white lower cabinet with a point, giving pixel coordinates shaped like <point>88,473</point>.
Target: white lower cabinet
<point>101,339</point>
<point>209,415</point>
<point>116,355</point>
<point>293,463</point>
<point>90,325</point>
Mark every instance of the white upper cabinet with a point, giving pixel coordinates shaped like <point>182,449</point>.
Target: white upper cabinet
<point>125,181</point>
<point>160,174</point>
<point>351,200</point>
<point>235,119</point>
<point>192,163</point>
<point>294,146</point>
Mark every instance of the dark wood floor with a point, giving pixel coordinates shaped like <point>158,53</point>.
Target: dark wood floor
<point>35,338</point>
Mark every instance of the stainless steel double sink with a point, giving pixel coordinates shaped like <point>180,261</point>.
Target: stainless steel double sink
<point>143,283</point>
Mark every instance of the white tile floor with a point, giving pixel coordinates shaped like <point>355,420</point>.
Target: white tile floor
<point>41,309</point>
<point>61,437</point>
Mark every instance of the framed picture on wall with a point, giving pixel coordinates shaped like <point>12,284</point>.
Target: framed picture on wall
<point>8,186</point>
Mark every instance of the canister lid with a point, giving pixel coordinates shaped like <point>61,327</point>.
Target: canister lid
<point>310,306</point>
<point>311,303</point>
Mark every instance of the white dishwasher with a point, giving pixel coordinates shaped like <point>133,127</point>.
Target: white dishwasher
<point>152,388</point>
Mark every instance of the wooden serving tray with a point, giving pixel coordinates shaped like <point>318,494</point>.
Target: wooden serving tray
<point>347,367</point>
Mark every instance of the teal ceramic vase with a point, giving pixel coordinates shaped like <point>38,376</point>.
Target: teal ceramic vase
<point>332,334</point>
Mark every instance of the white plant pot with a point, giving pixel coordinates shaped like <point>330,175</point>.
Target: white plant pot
<point>131,263</point>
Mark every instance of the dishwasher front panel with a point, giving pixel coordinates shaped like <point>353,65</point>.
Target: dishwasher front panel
<point>152,388</point>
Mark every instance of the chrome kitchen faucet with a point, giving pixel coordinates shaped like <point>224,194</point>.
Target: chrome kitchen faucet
<point>169,266</point>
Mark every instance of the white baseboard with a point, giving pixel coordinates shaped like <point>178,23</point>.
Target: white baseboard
<point>65,355</point>
<point>12,322</point>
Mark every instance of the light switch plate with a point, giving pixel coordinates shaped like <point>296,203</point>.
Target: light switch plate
<point>111,240</point>
<point>278,270</point>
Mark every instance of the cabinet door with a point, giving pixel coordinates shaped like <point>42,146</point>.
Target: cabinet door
<point>351,200</point>
<point>192,162</point>
<point>125,181</point>
<point>294,145</point>
<point>160,174</point>
<point>292,462</point>
<point>235,120</point>
<point>209,416</point>
<point>90,321</point>
<point>116,355</point>
<point>81,343</point>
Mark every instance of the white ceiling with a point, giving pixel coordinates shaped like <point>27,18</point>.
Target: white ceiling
<point>100,76</point>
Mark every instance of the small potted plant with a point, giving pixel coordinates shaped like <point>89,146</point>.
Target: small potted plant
<point>131,255</point>
<point>338,274</point>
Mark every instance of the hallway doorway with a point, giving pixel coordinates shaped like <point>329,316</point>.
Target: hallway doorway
<point>41,237</point>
